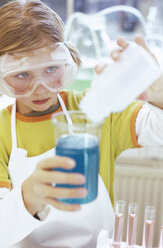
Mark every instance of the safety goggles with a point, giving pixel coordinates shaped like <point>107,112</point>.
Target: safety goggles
<point>51,66</point>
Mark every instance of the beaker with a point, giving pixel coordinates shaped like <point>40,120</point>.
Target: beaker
<point>79,141</point>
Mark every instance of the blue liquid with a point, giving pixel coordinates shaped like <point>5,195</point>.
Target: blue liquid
<point>84,149</point>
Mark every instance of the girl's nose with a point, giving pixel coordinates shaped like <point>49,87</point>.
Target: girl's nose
<point>40,89</point>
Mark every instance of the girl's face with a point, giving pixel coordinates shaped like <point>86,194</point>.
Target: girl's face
<point>41,100</point>
<point>35,77</point>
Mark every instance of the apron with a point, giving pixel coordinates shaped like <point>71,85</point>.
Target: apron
<point>61,229</point>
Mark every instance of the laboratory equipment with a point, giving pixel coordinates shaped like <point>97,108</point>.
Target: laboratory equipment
<point>154,18</point>
<point>149,217</point>
<point>132,224</point>
<point>104,240</point>
<point>80,142</point>
<point>154,29</point>
<point>94,45</point>
<point>118,225</point>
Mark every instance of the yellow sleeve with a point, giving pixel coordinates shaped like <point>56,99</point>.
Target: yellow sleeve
<point>4,176</point>
<point>118,134</point>
<point>123,133</point>
<point>5,148</point>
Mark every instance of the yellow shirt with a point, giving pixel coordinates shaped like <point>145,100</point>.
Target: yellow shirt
<point>36,135</point>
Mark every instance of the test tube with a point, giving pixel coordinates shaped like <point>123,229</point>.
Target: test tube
<point>132,224</point>
<point>118,225</point>
<point>148,227</point>
<point>161,235</point>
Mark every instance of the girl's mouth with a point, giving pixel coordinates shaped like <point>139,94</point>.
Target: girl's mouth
<point>39,102</point>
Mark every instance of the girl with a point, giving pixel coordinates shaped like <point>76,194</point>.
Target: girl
<point>35,66</point>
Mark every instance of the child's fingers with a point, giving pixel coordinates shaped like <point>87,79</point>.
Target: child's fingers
<point>141,42</point>
<point>122,43</point>
<point>143,97</point>
<point>56,161</point>
<point>100,67</point>
<point>116,54</point>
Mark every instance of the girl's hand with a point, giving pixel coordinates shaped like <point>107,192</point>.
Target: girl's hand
<point>148,95</point>
<point>116,53</point>
<point>123,44</point>
<point>154,94</point>
<point>38,189</point>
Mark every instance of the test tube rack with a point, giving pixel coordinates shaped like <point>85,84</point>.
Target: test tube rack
<point>104,241</point>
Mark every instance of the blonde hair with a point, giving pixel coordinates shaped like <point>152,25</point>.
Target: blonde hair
<point>28,24</point>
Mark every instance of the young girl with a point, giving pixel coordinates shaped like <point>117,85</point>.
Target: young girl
<point>35,66</point>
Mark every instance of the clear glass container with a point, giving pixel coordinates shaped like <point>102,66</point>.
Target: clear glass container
<point>118,224</point>
<point>90,34</point>
<point>132,224</point>
<point>149,217</point>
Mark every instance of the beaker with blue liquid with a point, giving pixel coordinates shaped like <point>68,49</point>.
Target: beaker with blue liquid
<point>80,141</point>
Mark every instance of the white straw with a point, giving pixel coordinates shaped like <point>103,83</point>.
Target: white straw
<point>68,118</point>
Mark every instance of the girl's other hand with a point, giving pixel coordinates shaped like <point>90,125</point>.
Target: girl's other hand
<point>123,44</point>
<point>116,55</point>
